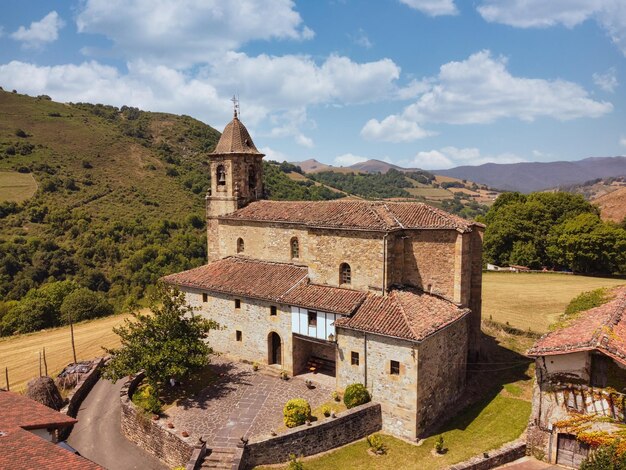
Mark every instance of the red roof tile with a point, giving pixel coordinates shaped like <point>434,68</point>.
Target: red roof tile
<point>352,215</point>
<point>325,298</point>
<point>19,448</point>
<point>242,276</point>
<point>20,411</point>
<point>406,314</point>
<point>602,328</point>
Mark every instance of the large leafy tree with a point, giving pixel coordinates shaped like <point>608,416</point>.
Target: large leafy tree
<point>169,342</point>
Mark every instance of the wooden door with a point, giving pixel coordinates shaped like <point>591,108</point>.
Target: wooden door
<point>570,451</point>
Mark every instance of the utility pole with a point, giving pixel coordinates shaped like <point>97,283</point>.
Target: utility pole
<point>6,376</point>
<point>72,334</point>
<point>45,363</point>
<point>39,363</point>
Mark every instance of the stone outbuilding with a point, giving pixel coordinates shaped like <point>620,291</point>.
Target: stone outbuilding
<point>387,294</point>
<point>578,397</point>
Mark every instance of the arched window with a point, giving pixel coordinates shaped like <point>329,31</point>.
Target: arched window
<point>295,248</point>
<point>220,175</point>
<point>240,245</point>
<point>345,274</point>
<point>251,177</point>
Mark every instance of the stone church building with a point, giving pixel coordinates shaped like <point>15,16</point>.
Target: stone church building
<point>387,294</point>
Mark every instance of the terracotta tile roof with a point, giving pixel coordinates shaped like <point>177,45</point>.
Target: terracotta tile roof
<point>602,328</point>
<point>407,314</point>
<point>242,276</point>
<point>235,139</point>
<point>20,411</point>
<point>19,448</point>
<point>350,214</point>
<point>278,282</point>
<point>325,298</point>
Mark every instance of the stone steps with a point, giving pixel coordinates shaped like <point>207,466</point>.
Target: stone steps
<point>219,457</point>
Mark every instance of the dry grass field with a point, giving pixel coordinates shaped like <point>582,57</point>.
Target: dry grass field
<point>16,187</point>
<point>21,353</point>
<point>534,300</point>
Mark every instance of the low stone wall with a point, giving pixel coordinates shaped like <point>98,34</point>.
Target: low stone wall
<point>507,453</point>
<point>153,436</point>
<point>79,393</point>
<point>320,436</point>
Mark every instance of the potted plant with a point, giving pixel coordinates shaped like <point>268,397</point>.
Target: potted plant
<point>326,410</point>
<point>255,366</point>
<point>284,375</point>
<point>309,384</point>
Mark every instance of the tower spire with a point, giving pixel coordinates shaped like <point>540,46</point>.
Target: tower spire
<point>235,100</point>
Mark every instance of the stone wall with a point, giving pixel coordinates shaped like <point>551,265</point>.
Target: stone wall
<point>397,394</point>
<point>153,436</point>
<point>505,454</point>
<point>321,250</point>
<point>254,321</point>
<point>320,436</point>
<point>476,289</point>
<point>442,371</point>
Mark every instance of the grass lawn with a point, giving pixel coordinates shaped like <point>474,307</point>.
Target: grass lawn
<point>21,353</point>
<point>534,300</point>
<point>16,187</point>
<point>480,428</point>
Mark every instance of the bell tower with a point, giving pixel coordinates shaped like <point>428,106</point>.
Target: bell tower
<point>236,168</point>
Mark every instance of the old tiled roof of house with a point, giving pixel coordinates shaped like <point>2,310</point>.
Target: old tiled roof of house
<point>19,448</point>
<point>242,276</point>
<point>325,298</point>
<point>235,139</point>
<point>352,215</point>
<point>602,328</point>
<point>406,314</point>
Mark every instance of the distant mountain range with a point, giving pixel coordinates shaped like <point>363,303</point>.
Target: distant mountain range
<point>536,176</point>
<point>524,177</point>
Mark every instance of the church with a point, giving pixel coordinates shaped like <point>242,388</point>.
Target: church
<point>387,294</point>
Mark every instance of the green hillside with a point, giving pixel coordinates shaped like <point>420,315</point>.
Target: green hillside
<point>118,201</point>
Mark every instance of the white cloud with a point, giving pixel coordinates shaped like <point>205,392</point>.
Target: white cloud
<point>393,129</point>
<point>433,7</point>
<point>361,39</point>
<point>449,157</point>
<point>185,32</point>
<point>622,141</point>
<point>40,32</point>
<point>275,155</point>
<point>610,14</point>
<point>348,159</point>
<point>480,90</point>
<point>606,81</point>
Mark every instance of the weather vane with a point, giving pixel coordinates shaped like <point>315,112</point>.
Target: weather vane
<point>235,100</point>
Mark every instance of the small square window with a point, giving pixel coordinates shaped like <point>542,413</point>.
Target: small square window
<point>237,303</point>
<point>394,367</point>
<point>205,298</point>
<point>239,335</point>
<point>273,310</point>
<point>354,359</point>
<point>312,319</point>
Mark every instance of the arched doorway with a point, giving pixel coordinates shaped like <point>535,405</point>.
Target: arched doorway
<point>274,348</point>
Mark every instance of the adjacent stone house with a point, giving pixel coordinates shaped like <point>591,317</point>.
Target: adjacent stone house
<point>579,396</point>
<point>383,293</point>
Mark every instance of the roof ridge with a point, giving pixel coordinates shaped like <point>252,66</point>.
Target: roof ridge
<point>392,215</point>
<point>614,318</point>
<point>404,315</point>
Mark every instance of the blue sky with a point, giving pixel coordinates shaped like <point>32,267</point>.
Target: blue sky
<point>425,83</point>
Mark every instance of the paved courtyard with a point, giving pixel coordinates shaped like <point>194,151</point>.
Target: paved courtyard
<point>241,403</point>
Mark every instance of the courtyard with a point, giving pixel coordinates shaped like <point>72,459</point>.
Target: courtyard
<point>242,402</point>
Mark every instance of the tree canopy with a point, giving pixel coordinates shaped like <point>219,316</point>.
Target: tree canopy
<point>559,230</point>
<point>168,342</point>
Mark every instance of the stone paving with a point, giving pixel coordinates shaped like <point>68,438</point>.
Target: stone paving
<point>241,403</point>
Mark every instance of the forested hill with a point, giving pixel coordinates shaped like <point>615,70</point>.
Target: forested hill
<point>118,201</point>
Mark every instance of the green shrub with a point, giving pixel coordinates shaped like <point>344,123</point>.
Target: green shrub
<point>146,399</point>
<point>355,395</point>
<point>326,410</point>
<point>21,133</point>
<point>440,447</point>
<point>376,444</point>
<point>296,412</point>
<point>294,463</point>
